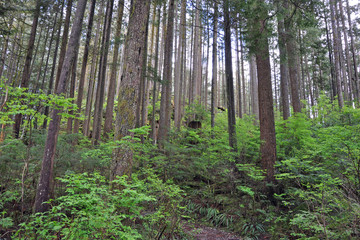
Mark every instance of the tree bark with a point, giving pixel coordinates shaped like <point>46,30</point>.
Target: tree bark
<point>229,79</point>
<point>284,70</point>
<point>29,55</point>
<point>292,56</point>
<point>336,56</point>
<point>108,126</point>
<point>239,110</point>
<point>214,67</point>
<point>165,105</point>
<point>43,189</point>
<point>130,82</point>
<point>179,67</point>
<point>64,41</point>
<point>266,113</point>
<point>99,103</point>
<point>83,66</point>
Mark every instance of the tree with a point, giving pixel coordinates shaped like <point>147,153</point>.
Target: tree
<point>29,55</point>
<point>43,189</point>
<point>214,66</point>
<point>99,102</point>
<point>229,79</point>
<point>259,33</point>
<point>165,107</point>
<point>129,88</point>
<point>84,64</point>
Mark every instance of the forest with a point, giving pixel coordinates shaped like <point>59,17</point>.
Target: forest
<point>179,119</point>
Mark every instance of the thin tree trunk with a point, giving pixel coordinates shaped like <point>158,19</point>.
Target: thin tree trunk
<point>46,176</point>
<point>347,51</point>
<point>229,79</point>
<point>238,73</point>
<point>51,81</point>
<point>29,55</point>
<point>83,66</point>
<point>64,41</point>
<point>292,55</point>
<point>155,78</point>
<point>99,103</point>
<point>284,74</point>
<point>165,106</point>
<point>93,69</point>
<point>214,67</point>
<point>336,55</point>
<point>179,67</point>
<point>108,125</point>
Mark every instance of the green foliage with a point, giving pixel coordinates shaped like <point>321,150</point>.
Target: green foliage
<point>91,209</point>
<point>22,101</point>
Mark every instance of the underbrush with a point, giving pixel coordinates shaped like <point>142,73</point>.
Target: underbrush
<point>195,176</point>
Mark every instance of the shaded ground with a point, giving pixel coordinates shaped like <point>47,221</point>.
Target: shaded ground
<point>200,232</point>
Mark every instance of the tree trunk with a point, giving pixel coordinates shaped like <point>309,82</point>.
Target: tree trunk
<point>238,74</point>
<point>92,76</point>
<point>165,106</point>
<point>336,56</point>
<point>254,88</point>
<point>284,74</point>
<point>356,76</point>
<point>83,66</point>
<point>292,54</point>
<point>29,55</point>
<point>266,113</point>
<point>64,41</point>
<point>214,67</point>
<point>99,103</point>
<point>229,79</point>
<point>179,67</point>
<point>43,189</point>
<point>130,81</point>
<point>51,80</point>
<point>108,126</point>
<point>196,71</point>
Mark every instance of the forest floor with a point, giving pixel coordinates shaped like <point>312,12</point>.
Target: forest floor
<point>201,232</point>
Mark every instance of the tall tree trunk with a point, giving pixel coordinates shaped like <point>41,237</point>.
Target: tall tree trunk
<point>64,41</point>
<point>83,66</point>
<point>347,51</point>
<point>165,105</point>
<point>179,67</point>
<point>26,72</point>
<point>332,69</point>
<point>238,74</point>
<point>46,176</point>
<point>196,71</point>
<point>214,67</point>
<point>336,55</point>
<point>254,88</point>
<point>51,80</point>
<point>266,113</point>
<point>99,103</point>
<point>292,54</point>
<point>108,126</point>
<point>352,44</point>
<point>155,77</point>
<point>243,77</point>
<point>72,91</point>
<point>284,74</point>
<point>92,76</point>
<point>133,51</point>
<point>229,79</point>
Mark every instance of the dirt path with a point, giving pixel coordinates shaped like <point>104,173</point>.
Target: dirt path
<point>200,232</point>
